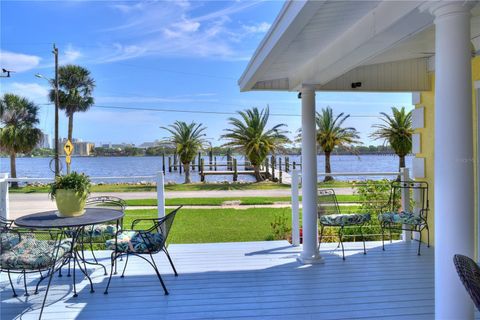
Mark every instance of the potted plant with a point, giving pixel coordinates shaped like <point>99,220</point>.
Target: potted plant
<point>70,193</point>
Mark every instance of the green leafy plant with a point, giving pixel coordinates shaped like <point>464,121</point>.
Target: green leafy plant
<point>280,228</point>
<point>78,182</point>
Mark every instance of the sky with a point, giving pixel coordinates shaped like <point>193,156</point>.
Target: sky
<point>173,59</point>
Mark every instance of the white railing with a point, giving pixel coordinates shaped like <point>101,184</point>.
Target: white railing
<point>5,181</point>
<point>296,182</point>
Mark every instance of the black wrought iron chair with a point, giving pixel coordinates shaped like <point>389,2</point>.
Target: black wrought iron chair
<point>25,252</point>
<point>329,216</point>
<point>392,218</point>
<point>469,273</point>
<point>143,242</point>
<point>98,234</point>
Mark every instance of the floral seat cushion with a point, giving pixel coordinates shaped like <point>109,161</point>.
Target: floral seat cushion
<point>344,219</point>
<point>136,242</point>
<point>33,254</point>
<point>402,217</point>
<point>97,231</point>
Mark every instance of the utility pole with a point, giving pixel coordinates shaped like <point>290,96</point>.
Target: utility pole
<point>57,103</point>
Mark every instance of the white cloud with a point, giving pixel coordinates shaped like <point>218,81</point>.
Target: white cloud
<point>257,28</point>
<point>33,91</point>
<point>18,62</point>
<point>70,55</point>
<point>143,99</point>
<point>173,28</point>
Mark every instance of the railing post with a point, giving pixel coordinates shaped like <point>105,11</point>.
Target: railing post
<point>295,209</point>
<point>405,196</point>
<point>280,170</point>
<point>163,162</point>
<point>273,168</point>
<point>235,170</point>
<point>160,194</point>
<point>4,201</point>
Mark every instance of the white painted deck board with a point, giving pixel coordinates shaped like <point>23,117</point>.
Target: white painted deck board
<point>247,280</point>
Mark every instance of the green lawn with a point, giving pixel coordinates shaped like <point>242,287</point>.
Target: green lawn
<point>217,225</point>
<point>232,225</point>
<point>220,201</point>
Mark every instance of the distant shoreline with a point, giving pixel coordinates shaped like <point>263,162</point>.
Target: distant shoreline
<point>205,156</point>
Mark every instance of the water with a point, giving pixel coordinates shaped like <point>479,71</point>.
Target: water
<point>146,166</point>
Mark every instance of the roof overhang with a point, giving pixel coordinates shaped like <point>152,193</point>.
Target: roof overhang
<point>384,45</point>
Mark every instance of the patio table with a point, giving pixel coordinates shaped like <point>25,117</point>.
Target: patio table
<point>76,227</point>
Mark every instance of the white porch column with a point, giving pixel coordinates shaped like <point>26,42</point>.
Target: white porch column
<point>454,196</point>
<point>309,179</point>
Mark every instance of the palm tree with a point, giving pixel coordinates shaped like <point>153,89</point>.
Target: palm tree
<point>249,134</point>
<point>18,134</point>
<point>397,130</point>
<point>75,93</point>
<point>188,140</point>
<point>331,134</point>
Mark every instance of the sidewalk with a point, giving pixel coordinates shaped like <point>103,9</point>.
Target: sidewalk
<point>26,203</point>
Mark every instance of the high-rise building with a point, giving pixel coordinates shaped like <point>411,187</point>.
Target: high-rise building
<point>44,142</point>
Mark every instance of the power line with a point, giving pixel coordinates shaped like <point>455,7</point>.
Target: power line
<point>203,111</point>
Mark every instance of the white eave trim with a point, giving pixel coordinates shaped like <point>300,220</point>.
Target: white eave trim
<point>288,24</point>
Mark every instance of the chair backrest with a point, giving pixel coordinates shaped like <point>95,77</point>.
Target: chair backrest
<point>469,274</point>
<point>106,201</point>
<point>417,196</point>
<point>164,225</point>
<point>327,202</point>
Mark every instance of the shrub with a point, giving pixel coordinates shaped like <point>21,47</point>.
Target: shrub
<point>78,182</point>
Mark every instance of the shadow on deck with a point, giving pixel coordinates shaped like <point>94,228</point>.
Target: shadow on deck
<point>247,280</point>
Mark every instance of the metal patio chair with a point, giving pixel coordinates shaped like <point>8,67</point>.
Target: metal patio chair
<point>25,252</point>
<point>393,219</point>
<point>99,233</point>
<point>143,242</point>
<point>329,216</point>
<point>469,273</point>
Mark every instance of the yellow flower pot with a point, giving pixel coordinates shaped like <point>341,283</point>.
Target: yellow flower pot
<point>70,203</point>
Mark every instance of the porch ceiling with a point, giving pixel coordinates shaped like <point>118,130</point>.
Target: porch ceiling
<point>329,44</point>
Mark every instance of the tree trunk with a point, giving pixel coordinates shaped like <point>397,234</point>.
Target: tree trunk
<point>401,162</point>
<point>258,175</point>
<point>186,168</point>
<point>328,168</point>
<point>13,169</point>
<point>70,134</point>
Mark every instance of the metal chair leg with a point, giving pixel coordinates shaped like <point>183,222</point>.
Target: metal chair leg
<point>112,259</point>
<point>159,276</point>
<point>26,294</point>
<point>124,267</point>
<point>341,242</point>
<point>11,284</point>
<point>51,272</point>
<point>321,236</point>
<point>419,242</point>
<point>363,239</point>
<point>428,236</point>
<point>170,260</point>
<point>383,236</point>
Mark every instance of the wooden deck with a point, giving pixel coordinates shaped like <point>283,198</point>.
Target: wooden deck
<point>247,280</point>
